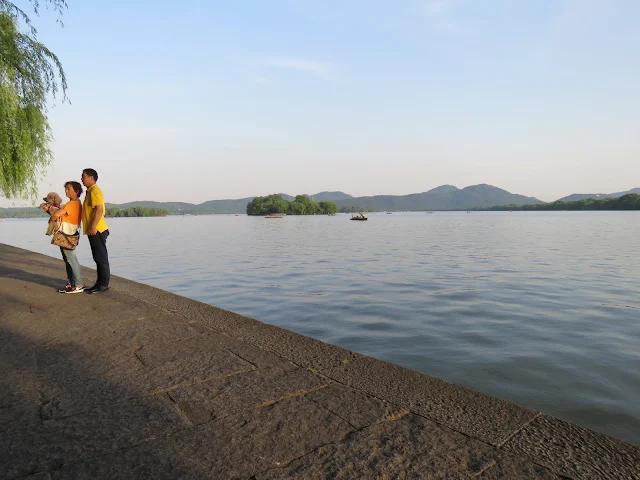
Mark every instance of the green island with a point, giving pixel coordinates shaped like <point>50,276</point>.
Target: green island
<point>630,201</point>
<point>300,205</point>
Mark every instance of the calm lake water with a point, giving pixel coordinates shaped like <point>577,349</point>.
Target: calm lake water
<point>539,308</point>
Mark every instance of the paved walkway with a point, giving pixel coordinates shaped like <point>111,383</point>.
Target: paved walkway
<point>139,383</point>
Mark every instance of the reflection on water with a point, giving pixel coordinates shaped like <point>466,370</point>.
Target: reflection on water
<point>540,308</point>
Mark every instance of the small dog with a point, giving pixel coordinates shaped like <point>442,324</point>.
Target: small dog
<point>52,203</point>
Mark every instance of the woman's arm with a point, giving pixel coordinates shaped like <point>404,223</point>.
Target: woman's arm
<point>59,213</point>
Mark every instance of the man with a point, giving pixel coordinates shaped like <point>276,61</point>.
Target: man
<point>94,225</point>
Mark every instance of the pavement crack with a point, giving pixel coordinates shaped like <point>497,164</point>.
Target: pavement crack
<point>135,352</point>
<point>488,466</point>
<point>396,416</point>
<point>519,429</point>
<point>433,419</point>
<point>198,382</point>
<point>242,358</point>
<point>299,393</point>
<point>181,412</point>
<point>300,457</point>
<point>43,403</point>
<point>334,413</point>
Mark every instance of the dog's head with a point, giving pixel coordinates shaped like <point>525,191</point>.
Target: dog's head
<point>53,198</point>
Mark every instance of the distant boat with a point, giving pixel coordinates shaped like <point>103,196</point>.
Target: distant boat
<point>360,217</point>
<point>331,214</point>
<point>273,215</point>
<point>389,213</point>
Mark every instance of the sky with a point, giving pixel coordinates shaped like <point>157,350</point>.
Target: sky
<point>200,100</point>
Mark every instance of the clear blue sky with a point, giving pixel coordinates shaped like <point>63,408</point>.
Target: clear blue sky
<point>199,100</point>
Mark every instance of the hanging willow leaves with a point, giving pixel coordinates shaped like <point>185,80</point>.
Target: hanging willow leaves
<point>29,74</point>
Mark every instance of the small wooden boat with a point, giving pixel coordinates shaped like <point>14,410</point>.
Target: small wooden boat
<point>273,215</point>
<point>360,217</point>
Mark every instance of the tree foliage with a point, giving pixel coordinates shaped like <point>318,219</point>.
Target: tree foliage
<point>29,73</point>
<point>301,205</point>
<point>136,212</point>
<point>631,201</point>
<point>356,209</point>
<point>22,212</point>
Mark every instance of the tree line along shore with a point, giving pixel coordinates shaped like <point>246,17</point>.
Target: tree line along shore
<point>276,204</point>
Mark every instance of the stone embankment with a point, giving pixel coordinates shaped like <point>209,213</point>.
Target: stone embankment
<point>140,383</point>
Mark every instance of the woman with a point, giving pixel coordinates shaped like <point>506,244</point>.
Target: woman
<point>71,216</point>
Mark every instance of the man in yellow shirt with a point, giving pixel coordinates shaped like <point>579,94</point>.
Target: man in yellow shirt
<point>94,225</point>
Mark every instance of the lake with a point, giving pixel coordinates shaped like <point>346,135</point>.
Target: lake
<point>541,308</point>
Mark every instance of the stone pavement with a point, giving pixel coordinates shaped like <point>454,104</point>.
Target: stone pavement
<point>139,383</point>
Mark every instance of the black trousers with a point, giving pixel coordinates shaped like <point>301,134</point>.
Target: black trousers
<point>98,244</point>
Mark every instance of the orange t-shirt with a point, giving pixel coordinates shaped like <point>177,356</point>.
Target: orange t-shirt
<point>71,220</point>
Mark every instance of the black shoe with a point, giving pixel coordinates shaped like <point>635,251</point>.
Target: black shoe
<point>88,290</point>
<point>98,289</point>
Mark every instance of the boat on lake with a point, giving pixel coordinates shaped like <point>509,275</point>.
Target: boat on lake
<point>273,215</point>
<point>360,217</point>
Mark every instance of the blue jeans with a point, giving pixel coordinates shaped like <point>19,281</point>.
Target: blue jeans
<point>74,271</point>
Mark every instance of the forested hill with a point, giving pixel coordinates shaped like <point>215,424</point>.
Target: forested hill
<point>597,196</point>
<point>630,201</point>
<point>444,197</point>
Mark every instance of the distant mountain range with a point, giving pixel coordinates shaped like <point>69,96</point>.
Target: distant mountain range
<point>581,196</point>
<point>445,197</point>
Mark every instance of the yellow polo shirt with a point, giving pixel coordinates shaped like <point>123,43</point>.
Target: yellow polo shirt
<point>93,198</point>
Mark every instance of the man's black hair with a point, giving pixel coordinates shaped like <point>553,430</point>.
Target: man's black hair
<point>91,173</point>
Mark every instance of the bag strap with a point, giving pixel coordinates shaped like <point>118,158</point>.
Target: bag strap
<point>57,226</point>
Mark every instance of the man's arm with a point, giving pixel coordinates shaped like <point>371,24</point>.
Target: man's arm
<point>97,214</point>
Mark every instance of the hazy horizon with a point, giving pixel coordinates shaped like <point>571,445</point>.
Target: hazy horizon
<point>227,101</point>
<point>12,203</point>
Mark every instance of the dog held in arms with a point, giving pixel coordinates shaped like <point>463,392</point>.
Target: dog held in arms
<point>52,203</point>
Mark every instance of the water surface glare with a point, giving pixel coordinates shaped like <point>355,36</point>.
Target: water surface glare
<point>539,308</point>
